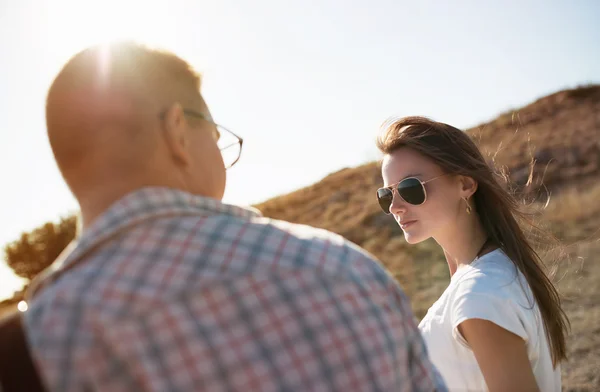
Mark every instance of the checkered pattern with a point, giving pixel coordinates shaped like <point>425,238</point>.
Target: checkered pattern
<point>173,292</point>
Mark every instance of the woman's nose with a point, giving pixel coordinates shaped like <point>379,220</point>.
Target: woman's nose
<point>398,205</point>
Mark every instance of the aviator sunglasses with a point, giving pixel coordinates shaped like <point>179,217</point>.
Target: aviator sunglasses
<point>411,190</point>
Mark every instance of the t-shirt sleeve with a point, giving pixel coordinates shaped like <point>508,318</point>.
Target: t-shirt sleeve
<point>486,306</point>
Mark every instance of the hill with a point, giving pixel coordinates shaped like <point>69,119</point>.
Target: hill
<point>556,139</point>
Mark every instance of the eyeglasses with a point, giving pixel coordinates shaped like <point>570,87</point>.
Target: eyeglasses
<point>411,190</point>
<point>228,142</point>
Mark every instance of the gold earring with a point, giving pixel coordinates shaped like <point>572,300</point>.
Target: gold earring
<point>468,206</point>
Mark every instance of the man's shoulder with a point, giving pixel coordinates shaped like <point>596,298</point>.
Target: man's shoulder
<point>322,248</point>
<point>313,235</point>
<point>300,231</point>
<point>215,248</point>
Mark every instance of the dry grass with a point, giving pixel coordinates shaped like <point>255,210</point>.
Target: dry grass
<point>579,285</point>
<point>575,217</point>
<point>575,214</point>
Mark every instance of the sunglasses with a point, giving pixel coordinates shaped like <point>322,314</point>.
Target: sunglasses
<point>411,190</point>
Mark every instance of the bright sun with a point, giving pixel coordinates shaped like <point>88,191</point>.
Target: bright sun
<point>73,24</point>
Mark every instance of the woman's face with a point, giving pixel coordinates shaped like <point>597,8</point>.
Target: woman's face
<point>438,214</point>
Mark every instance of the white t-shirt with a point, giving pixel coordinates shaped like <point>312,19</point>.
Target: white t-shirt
<point>486,289</point>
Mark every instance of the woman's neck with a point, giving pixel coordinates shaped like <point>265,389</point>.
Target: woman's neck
<point>462,242</point>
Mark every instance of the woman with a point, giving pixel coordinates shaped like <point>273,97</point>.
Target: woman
<point>499,325</point>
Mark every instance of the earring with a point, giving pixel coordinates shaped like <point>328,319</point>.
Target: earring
<point>468,206</point>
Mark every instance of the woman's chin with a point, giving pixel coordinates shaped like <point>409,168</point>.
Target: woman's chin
<point>413,238</point>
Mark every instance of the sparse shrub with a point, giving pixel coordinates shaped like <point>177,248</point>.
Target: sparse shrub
<point>35,251</point>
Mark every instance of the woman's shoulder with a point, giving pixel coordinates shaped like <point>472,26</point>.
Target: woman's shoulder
<point>493,289</point>
<point>493,274</point>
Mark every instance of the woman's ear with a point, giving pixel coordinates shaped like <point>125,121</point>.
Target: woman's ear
<point>468,186</point>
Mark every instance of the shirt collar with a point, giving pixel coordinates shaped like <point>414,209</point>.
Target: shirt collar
<point>151,202</point>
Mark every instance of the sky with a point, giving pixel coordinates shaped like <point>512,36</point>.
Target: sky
<point>306,83</point>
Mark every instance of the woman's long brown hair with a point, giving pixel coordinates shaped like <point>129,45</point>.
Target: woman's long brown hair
<point>455,152</point>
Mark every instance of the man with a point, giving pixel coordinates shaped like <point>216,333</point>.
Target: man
<point>167,288</point>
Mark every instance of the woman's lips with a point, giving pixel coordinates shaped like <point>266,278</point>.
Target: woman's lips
<point>405,224</point>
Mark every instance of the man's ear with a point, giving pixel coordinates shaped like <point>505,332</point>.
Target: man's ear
<point>175,134</point>
<point>468,186</point>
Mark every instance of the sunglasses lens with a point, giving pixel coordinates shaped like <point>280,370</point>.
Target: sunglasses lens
<point>384,197</point>
<point>411,190</point>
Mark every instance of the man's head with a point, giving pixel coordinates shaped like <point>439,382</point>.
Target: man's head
<point>116,119</point>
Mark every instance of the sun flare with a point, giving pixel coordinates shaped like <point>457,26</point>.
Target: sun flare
<point>73,25</point>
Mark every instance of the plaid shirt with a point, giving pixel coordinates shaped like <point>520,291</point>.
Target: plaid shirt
<point>167,291</point>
